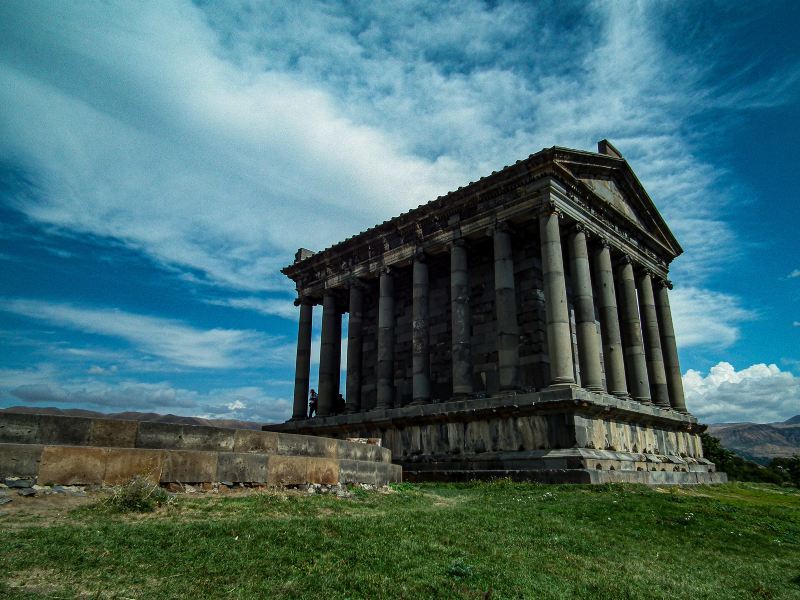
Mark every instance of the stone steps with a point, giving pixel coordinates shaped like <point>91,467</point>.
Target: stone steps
<point>56,449</point>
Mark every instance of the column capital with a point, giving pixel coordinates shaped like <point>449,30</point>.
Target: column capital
<point>357,283</point>
<point>579,228</point>
<point>307,300</point>
<point>499,227</point>
<point>459,242</point>
<point>664,283</point>
<point>549,207</point>
<point>420,256</point>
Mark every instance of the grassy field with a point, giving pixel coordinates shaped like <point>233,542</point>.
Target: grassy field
<point>491,540</point>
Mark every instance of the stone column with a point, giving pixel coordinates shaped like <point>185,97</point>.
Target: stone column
<point>632,334</point>
<point>327,355</point>
<point>337,358</point>
<point>559,339</point>
<point>302,369</point>
<point>420,347</point>
<point>461,319</point>
<point>652,342</point>
<point>386,341</point>
<point>588,344</point>
<point>671,364</point>
<point>609,323</point>
<point>506,307</point>
<point>354,342</point>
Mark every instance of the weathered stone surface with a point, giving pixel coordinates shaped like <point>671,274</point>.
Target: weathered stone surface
<point>20,460</point>
<point>124,464</point>
<point>115,433</point>
<point>72,465</point>
<point>242,468</point>
<point>246,440</point>
<point>187,466</point>
<point>184,437</point>
<point>17,428</point>
<point>292,470</point>
<point>59,430</point>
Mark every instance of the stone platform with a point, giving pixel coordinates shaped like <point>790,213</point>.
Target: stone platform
<point>564,435</point>
<point>84,451</point>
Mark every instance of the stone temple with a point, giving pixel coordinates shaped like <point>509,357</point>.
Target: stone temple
<point>519,326</point>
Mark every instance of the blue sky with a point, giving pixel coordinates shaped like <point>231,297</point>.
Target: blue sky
<point>160,162</point>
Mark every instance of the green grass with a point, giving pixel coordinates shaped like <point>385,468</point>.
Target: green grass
<point>498,540</point>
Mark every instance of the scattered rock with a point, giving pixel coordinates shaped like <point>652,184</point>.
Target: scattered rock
<point>16,482</point>
<point>43,490</point>
<point>226,483</point>
<point>4,500</point>
<point>70,490</point>
<point>27,492</point>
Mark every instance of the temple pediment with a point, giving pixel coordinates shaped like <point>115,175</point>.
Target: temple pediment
<point>612,185</point>
<point>609,192</point>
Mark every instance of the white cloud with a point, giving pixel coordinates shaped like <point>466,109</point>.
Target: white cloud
<point>167,339</point>
<point>796,324</point>
<point>706,318</point>
<point>219,139</point>
<point>795,273</point>
<point>278,307</point>
<point>245,403</point>
<point>759,393</point>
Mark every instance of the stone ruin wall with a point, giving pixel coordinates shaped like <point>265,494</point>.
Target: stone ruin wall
<point>470,439</point>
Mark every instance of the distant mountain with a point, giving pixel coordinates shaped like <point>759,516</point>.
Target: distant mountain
<point>136,416</point>
<point>760,442</point>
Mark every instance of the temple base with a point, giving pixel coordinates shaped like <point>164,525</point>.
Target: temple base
<point>567,435</point>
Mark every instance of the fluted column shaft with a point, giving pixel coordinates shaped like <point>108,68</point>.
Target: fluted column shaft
<point>354,342</point>
<point>337,359</point>
<point>559,340</point>
<point>632,335</point>
<point>609,323</point>
<point>461,318</point>
<point>506,309</point>
<point>420,347</point>
<point>302,370</point>
<point>652,342</point>
<point>328,371</point>
<point>670,348</point>
<point>588,343</point>
<point>386,342</point>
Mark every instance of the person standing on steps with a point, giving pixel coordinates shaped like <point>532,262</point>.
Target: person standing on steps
<point>312,403</point>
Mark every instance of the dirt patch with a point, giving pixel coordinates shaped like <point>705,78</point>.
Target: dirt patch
<point>41,510</point>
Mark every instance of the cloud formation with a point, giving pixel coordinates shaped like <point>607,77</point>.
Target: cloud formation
<point>759,393</point>
<point>168,339</point>
<point>45,385</point>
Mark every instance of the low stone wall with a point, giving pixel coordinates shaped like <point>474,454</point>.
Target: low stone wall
<point>76,450</point>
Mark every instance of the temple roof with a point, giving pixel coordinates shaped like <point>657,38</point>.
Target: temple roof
<point>603,178</point>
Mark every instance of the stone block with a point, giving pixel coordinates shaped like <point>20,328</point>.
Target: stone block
<point>246,440</point>
<point>66,431</point>
<point>113,433</point>
<point>122,464</point>
<point>187,466</point>
<point>306,445</point>
<point>18,428</point>
<point>70,465</point>
<point>184,437</point>
<point>242,468</point>
<point>295,470</point>
<point>20,460</point>
<point>358,471</point>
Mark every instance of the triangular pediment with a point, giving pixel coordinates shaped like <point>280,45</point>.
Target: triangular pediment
<point>611,184</point>
<point>608,191</point>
